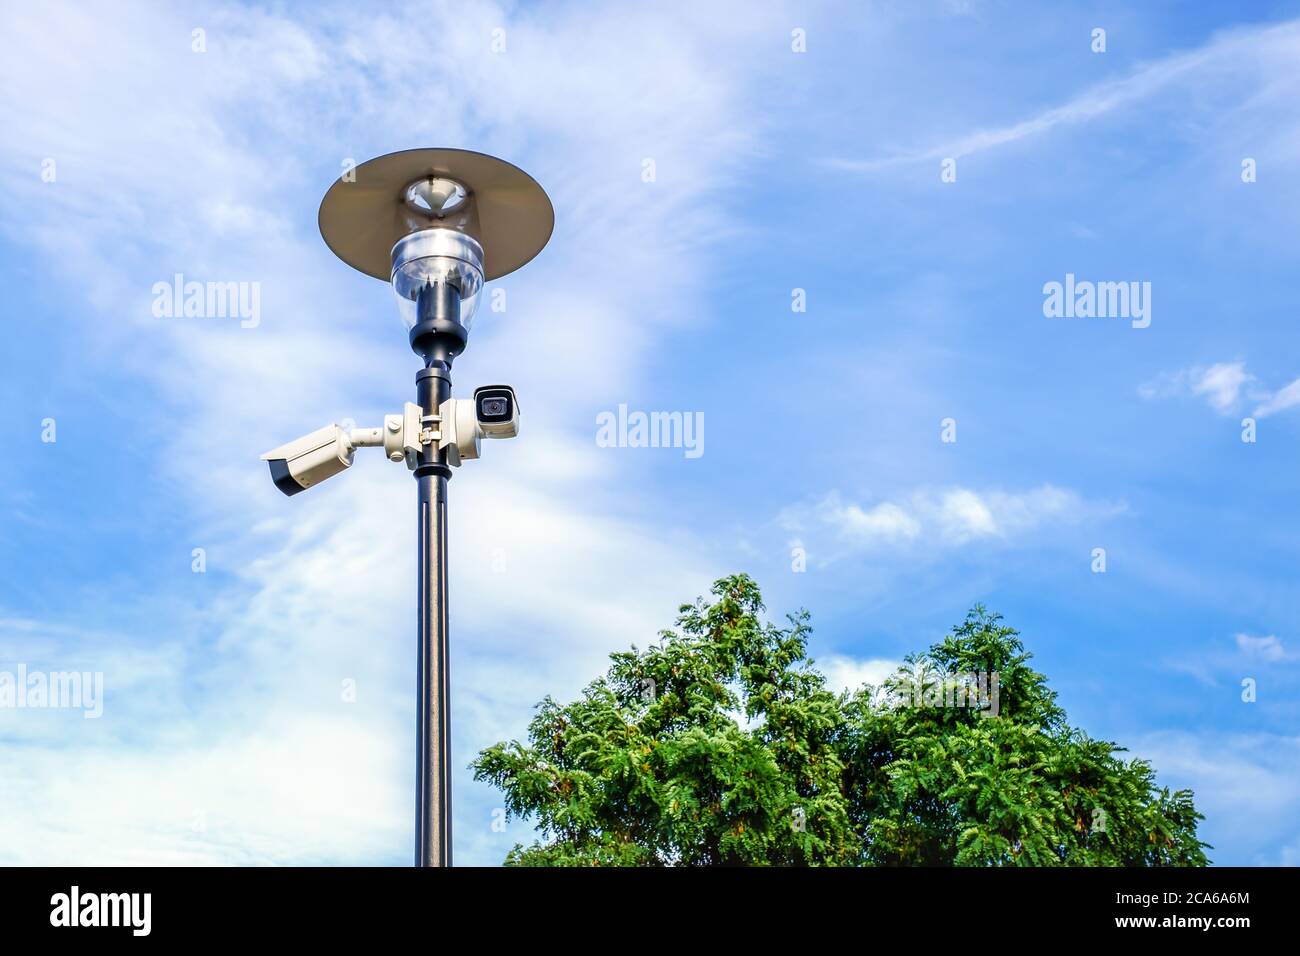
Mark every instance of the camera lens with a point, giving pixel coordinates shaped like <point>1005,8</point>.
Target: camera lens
<point>494,407</point>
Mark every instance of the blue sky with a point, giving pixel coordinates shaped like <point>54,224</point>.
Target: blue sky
<point>225,737</point>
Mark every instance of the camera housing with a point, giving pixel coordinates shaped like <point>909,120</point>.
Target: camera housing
<point>493,412</point>
<point>309,460</point>
<point>497,410</point>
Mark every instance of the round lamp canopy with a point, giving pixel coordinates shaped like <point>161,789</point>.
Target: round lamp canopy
<point>497,205</point>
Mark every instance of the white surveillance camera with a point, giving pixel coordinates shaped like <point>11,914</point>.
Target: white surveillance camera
<point>492,413</point>
<point>311,459</point>
<point>497,411</point>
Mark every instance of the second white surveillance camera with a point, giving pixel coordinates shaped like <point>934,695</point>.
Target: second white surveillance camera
<point>497,411</point>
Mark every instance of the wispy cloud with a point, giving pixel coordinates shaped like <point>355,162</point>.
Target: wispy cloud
<point>1225,387</point>
<point>936,520</point>
<point>1209,663</point>
<point>1247,785</point>
<point>1268,648</point>
<point>1281,400</point>
<point>1220,385</point>
<point>1235,50</point>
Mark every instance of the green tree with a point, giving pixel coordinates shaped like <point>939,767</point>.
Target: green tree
<point>721,745</point>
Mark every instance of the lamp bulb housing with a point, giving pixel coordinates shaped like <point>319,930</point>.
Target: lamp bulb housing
<point>432,258</point>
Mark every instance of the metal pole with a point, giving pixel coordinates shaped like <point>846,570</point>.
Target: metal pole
<point>422,221</point>
<point>433,698</point>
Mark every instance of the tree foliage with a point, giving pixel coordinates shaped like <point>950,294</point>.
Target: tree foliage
<point>721,745</point>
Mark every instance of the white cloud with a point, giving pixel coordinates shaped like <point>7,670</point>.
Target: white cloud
<point>1223,385</point>
<point>1268,648</point>
<point>294,788</point>
<point>1209,664</point>
<point>934,520</point>
<point>886,520</point>
<point>965,515</point>
<point>851,673</point>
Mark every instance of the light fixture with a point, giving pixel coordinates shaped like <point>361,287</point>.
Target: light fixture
<point>437,224</point>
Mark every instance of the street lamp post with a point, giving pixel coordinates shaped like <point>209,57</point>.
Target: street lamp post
<point>437,224</point>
